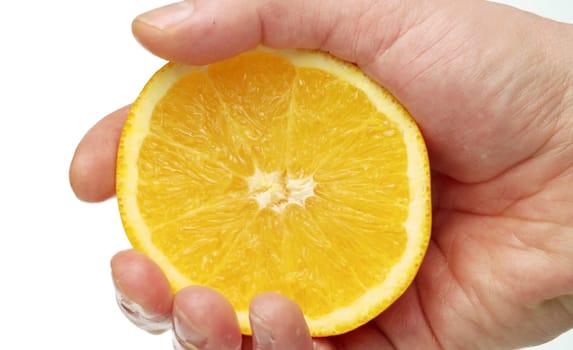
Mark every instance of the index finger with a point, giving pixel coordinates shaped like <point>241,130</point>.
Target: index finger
<point>92,170</point>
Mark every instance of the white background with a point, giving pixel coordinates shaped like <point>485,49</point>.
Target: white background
<point>64,65</point>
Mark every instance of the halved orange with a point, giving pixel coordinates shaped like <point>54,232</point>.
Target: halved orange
<point>277,170</point>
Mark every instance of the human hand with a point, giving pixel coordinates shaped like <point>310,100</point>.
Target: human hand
<point>492,91</point>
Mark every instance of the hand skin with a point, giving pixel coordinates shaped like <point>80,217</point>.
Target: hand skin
<point>492,90</point>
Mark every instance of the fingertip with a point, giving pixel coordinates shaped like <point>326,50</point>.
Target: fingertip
<point>276,319</point>
<point>168,16</point>
<point>92,169</point>
<point>142,291</point>
<point>205,319</point>
<point>77,174</point>
<point>148,36</point>
<point>141,281</point>
<point>269,304</point>
<point>82,182</point>
<point>198,32</point>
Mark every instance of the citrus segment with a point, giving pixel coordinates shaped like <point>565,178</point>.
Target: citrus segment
<point>277,170</point>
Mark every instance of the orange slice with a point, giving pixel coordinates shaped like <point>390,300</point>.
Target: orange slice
<point>277,170</point>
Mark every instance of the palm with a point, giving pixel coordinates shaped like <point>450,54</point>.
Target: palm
<point>485,277</point>
<point>496,269</point>
<point>494,273</point>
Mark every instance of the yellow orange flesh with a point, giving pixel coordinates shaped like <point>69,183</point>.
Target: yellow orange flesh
<point>285,171</point>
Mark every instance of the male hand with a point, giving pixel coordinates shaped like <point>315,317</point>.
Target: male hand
<point>491,88</point>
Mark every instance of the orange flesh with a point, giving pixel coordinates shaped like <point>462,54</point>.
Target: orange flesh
<point>309,136</point>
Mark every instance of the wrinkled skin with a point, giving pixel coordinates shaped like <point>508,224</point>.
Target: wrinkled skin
<point>492,90</point>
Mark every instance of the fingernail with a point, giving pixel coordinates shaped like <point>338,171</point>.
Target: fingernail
<point>167,16</point>
<point>179,344</point>
<point>149,322</point>
<point>262,334</point>
<point>186,335</point>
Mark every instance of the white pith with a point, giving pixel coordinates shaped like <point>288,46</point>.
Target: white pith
<point>276,191</point>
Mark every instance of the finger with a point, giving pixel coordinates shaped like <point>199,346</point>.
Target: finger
<point>92,170</point>
<point>143,293</point>
<point>278,323</point>
<point>201,31</point>
<point>203,319</point>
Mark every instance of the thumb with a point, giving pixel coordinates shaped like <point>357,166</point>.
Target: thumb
<point>203,31</point>
<point>484,81</point>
